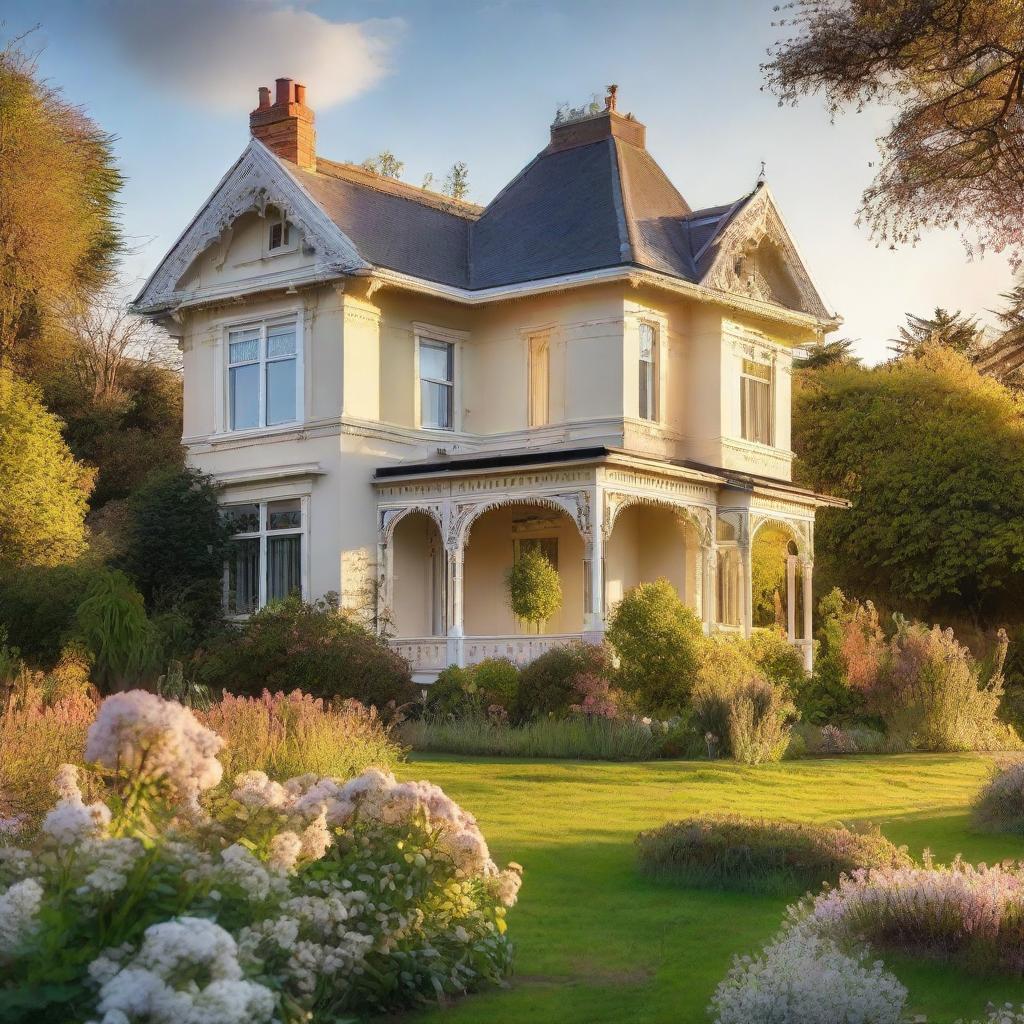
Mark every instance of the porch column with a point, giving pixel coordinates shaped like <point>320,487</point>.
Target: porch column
<point>791,597</point>
<point>455,560</point>
<point>593,575</point>
<point>709,591</point>
<point>746,582</point>
<point>385,587</point>
<point>808,582</point>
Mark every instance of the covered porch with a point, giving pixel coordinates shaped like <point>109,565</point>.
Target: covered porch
<point>739,555</point>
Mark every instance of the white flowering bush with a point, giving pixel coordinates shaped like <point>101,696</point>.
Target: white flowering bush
<point>308,899</point>
<point>802,978</point>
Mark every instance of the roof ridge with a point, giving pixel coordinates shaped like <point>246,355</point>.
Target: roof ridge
<point>401,189</point>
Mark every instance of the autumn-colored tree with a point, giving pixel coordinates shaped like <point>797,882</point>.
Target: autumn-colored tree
<point>43,490</point>
<point>59,234</point>
<point>954,72</point>
<point>953,330</point>
<point>931,455</point>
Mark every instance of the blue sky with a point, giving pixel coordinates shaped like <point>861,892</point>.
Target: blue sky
<point>479,81</point>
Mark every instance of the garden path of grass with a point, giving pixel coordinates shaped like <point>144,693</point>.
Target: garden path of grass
<point>596,942</point>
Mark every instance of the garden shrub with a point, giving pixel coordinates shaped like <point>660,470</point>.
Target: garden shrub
<point>295,734</point>
<point>290,904</point>
<point>779,661</point>
<point>805,979</point>
<point>658,640</point>
<point>759,722</point>
<point>733,852</point>
<point>534,587</point>
<point>546,685</point>
<point>312,647</point>
<point>112,624</point>
<point>38,605</point>
<point>452,693</point>
<point>999,807</point>
<point>497,682</point>
<point>725,666</point>
<point>576,736</point>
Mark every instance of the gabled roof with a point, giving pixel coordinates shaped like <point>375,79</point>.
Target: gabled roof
<point>593,199</point>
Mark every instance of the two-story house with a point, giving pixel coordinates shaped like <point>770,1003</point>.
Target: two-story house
<point>398,391</point>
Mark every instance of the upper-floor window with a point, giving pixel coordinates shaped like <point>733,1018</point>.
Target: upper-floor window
<point>437,384</point>
<point>280,236</point>
<point>756,402</point>
<point>263,375</point>
<point>648,372</point>
<point>539,357</point>
<point>264,560</point>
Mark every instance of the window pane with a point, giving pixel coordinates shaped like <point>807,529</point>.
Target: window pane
<point>245,396</point>
<point>284,567</point>
<point>539,375</point>
<point>242,518</point>
<point>646,390</point>
<point>646,341</point>
<point>243,576</point>
<point>435,360</point>
<point>280,341</point>
<point>281,391</point>
<point>284,515</point>
<point>436,405</point>
<point>244,346</point>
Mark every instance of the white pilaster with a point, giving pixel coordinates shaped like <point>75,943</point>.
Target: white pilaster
<point>455,560</point>
<point>791,597</point>
<point>808,585</point>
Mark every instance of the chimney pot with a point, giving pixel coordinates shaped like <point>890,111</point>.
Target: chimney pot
<point>264,97</point>
<point>284,91</point>
<point>286,127</point>
<point>300,93</point>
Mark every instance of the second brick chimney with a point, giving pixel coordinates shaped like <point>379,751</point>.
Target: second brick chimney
<point>286,125</point>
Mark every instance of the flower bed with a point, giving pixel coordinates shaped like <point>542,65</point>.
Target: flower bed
<point>309,899</point>
<point>732,852</point>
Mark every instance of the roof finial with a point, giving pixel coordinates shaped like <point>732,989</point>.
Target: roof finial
<point>609,100</point>
<point>761,176</point>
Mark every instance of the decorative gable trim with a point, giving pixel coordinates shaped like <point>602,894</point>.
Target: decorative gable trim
<point>760,220</point>
<point>257,180</point>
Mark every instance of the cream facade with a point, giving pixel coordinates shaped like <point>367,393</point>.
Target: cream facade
<point>398,438</point>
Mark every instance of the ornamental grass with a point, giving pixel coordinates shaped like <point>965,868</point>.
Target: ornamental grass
<point>576,736</point>
<point>750,854</point>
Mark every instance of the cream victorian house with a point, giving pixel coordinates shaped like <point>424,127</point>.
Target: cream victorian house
<point>399,392</point>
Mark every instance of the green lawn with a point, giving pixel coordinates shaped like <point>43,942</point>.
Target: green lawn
<point>598,943</point>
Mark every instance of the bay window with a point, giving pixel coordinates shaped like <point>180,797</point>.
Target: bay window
<point>265,557</point>
<point>264,382</point>
<point>648,373</point>
<point>756,402</point>
<point>437,384</point>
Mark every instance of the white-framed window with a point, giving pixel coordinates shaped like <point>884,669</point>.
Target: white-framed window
<point>538,380</point>
<point>648,366</point>
<point>756,397</point>
<point>266,557</point>
<point>281,237</point>
<point>437,384</point>
<point>264,375</point>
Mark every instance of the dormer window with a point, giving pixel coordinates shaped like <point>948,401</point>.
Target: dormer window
<point>756,420</point>
<point>280,235</point>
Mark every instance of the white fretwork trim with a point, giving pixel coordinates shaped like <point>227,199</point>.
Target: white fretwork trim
<point>257,180</point>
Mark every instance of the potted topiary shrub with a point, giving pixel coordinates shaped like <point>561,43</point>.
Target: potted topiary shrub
<point>534,588</point>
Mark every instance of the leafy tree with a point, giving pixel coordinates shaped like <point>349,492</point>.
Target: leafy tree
<point>658,641</point>
<point>953,330</point>
<point>534,588</point>
<point>43,490</point>
<point>386,164</point>
<point>176,545</point>
<point>456,183</point>
<point>59,234</point>
<point>931,455</point>
<point>828,353</point>
<point>953,70</point>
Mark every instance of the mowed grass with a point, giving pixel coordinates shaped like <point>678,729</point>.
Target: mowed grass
<point>597,942</point>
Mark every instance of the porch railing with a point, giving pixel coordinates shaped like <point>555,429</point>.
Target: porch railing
<point>430,654</point>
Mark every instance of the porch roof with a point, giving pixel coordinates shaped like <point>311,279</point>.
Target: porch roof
<point>476,462</point>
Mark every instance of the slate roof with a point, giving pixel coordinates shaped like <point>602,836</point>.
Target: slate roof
<point>594,198</point>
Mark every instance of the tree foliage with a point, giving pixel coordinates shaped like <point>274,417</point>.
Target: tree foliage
<point>828,353</point>
<point>385,163</point>
<point>59,234</point>
<point>931,455</point>
<point>534,588</point>
<point>456,182</point>
<point>43,490</point>
<point>954,71</point>
<point>954,330</point>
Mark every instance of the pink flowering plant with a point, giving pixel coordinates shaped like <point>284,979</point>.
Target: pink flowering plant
<point>306,899</point>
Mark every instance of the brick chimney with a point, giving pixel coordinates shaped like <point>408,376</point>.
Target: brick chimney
<point>286,125</point>
<point>607,123</point>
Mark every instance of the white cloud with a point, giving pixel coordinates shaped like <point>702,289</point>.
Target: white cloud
<point>217,52</point>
